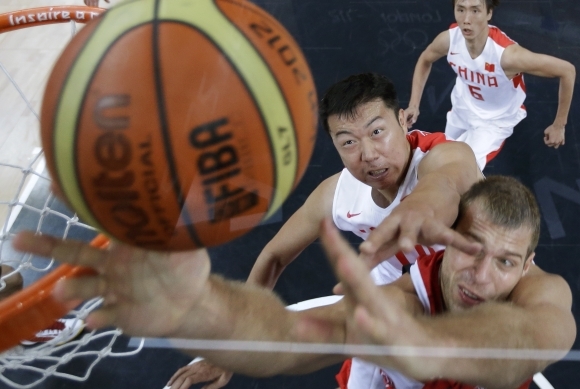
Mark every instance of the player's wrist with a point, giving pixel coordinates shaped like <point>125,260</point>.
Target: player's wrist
<point>559,124</point>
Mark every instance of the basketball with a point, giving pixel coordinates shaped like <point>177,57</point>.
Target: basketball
<point>173,125</point>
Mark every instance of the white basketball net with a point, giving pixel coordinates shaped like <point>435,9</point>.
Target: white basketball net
<point>29,195</point>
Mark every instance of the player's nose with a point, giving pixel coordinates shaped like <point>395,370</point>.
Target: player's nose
<point>368,150</point>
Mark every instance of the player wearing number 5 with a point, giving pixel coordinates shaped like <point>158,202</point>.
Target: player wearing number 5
<point>487,100</point>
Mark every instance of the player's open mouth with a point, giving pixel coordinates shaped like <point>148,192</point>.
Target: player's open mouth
<point>469,297</point>
<point>377,173</point>
<point>466,31</point>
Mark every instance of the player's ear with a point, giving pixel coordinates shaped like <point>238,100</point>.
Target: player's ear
<point>489,14</point>
<point>402,121</point>
<point>528,263</point>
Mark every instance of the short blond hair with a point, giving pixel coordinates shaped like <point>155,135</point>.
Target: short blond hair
<point>507,202</point>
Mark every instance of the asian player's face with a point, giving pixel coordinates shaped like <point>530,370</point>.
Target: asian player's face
<point>491,275</point>
<point>472,18</point>
<point>373,145</point>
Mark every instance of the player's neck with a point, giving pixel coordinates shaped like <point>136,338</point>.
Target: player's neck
<point>384,197</point>
<point>476,45</point>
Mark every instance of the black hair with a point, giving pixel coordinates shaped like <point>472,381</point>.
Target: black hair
<point>489,4</point>
<point>345,96</point>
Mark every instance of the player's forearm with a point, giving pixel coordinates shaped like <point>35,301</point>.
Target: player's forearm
<point>420,76</point>
<point>441,191</point>
<point>492,326</point>
<point>565,95</point>
<point>440,196</point>
<point>294,236</point>
<point>449,172</point>
<point>265,271</point>
<point>233,311</point>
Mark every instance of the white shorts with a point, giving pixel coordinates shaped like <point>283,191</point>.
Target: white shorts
<point>484,137</point>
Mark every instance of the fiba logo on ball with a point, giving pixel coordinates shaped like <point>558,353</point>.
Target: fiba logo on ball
<point>176,125</point>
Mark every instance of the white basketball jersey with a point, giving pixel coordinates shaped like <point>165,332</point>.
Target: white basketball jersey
<point>353,208</point>
<point>482,87</point>
<point>424,275</point>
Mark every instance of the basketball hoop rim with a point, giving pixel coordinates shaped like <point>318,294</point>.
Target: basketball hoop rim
<point>31,17</point>
<point>32,309</point>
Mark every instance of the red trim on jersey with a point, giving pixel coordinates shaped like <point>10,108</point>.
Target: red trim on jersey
<point>343,374</point>
<point>499,37</point>
<point>401,257</point>
<point>519,81</point>
<point>389,384</point>
<point>425,140</point>
<point>429,266</point>
<point>493,154</point>
<point>453,25</point>
<point>420,250</point>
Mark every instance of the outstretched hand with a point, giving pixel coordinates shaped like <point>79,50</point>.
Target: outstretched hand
<point>146,293</point>
<point>376,315</point>
<point>405,228</point>
<point>197,372</point>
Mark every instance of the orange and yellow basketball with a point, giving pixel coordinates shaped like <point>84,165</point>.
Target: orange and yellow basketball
<point>179,124</point>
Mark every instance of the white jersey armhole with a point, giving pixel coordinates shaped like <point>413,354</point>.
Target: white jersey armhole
<point>419,285</point>
<point>335,198</point>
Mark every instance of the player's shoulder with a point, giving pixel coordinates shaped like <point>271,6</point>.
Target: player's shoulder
<point>541,276</point>
<point>539,286</point>
<point>318,205</point>
<point>454,31</point>
<point>440,44</point>
<point>499,37</point>
<point>426,141</point>
<point>329,184</point>
<point>445,153</point>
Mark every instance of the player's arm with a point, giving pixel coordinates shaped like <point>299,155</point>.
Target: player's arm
<point>425,215</point>
<point>159,294</point>
<point>236,311</point>
<point>536,316</point>
<point>542,320</point>
<point>437,49</point>
<point>296,234</point>
<point>517,59</point>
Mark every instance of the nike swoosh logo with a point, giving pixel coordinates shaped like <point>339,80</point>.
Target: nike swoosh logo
<point>452,53</point>
<point>349,215</point>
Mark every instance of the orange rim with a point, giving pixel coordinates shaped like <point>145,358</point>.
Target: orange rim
<point>32,309</point>
<point>17,20</point>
